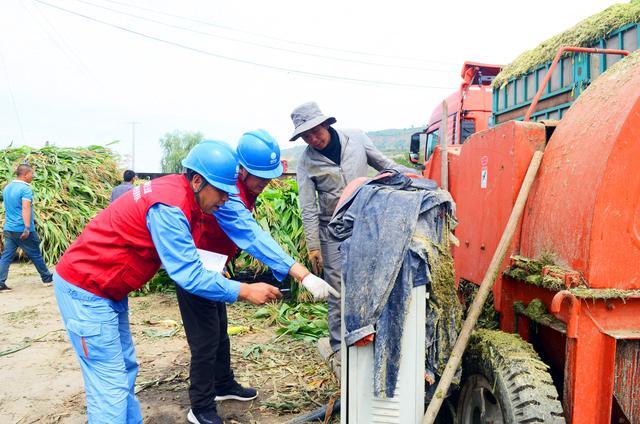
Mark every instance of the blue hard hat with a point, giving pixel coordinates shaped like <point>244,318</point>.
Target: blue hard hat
<point>216,162</point>
<point>259,153</point>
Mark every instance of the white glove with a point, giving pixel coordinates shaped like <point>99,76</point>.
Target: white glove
<point>319,288</point>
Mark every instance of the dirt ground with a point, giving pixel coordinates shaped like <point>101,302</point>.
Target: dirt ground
<point>42,381</point>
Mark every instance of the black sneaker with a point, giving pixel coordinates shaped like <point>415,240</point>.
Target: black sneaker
<point>48,280</point>
<point>3,287</point>
<point>237,392</point>
<point>204,417</point>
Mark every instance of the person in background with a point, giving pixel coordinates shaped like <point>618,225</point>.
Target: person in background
<point>120,250</point>
<point>19,226</point>
<point>129,177</point>
<point>333,158</point>
<point>229,228</point>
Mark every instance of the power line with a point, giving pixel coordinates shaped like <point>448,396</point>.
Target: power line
<point>13,100</point>
<point>62,45</point>
<point>244,61</point>
<point>317,46</point>
<point>262,45</point>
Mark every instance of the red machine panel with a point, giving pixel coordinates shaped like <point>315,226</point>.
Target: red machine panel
<point>585,206</point>
<point>488,173</point>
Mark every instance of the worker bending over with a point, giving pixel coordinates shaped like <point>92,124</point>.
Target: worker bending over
<point>120,250</point>
<point>231,227</point>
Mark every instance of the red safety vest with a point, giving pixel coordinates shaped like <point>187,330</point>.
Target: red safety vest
<point>115,254</point>
<point>209,236</point>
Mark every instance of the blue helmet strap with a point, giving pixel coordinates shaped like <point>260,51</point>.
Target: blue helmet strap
<point>203,185</point>
<point>197,192</point>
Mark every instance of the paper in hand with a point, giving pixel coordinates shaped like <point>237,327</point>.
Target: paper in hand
<point>212,261</point>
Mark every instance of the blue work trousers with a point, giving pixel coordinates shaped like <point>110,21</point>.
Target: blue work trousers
<point>30,246</point>
<point>99,332</point>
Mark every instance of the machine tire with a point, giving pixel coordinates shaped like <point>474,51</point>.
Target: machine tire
<point>505,382</point>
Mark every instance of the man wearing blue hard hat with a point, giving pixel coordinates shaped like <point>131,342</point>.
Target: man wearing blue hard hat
<point>120,250</point>
<point>232,227</point>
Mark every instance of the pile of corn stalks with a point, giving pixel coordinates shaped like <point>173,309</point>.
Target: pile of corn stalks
<point>278,213</point>
<point>582,35</point>
<point>70,185</point>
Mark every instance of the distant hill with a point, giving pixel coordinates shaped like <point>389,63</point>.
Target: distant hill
<point>394,143</point>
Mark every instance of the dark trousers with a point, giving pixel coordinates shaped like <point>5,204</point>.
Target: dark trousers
<point>205,324</point>
<point>30,246</point>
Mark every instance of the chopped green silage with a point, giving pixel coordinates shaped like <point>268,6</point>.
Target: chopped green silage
<point>443,298</point>
<point>506,359</point>
<point>489,317</point>
<point>536,311</point>
<point>603,294</point>
<point>581,35</point>
<point>443,289</point>
<point>501,347</point>
<point>536,308</point>
<point>531,271</point>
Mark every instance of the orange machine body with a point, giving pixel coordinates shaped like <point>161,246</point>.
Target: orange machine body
<point>484,178</point>
<point>584,209</point>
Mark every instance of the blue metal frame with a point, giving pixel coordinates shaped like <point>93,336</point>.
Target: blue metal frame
<point>581,61</point>
<point>559,108</point>
<point>576,83</point>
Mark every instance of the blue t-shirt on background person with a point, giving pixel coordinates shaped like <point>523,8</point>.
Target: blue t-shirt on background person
<point>13,194</point>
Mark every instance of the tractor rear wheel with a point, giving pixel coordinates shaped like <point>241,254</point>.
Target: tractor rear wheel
<point>505,382</point>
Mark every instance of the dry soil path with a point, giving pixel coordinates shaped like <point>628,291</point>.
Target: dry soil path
<point>42,382</point>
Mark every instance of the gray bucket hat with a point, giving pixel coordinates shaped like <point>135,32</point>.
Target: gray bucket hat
<point>307,116</point>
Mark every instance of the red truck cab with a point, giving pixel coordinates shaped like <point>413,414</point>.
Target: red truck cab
<point>469,111</point>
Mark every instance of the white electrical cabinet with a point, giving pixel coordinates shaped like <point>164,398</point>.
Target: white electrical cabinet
<point>359,405</point>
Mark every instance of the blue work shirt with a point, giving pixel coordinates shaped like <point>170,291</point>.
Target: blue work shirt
<point>239,225</point>
<point>171,236</point>
<point>13,195</point>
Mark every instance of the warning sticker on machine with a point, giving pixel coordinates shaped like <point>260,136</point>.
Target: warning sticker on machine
<point>484,161</point>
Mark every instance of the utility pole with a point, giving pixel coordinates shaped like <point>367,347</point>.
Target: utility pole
<point>133,144</point>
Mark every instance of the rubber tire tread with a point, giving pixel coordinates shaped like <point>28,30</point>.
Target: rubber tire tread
<point>523,385</point>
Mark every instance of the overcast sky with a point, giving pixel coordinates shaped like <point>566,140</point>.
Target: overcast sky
<point>78,72</point>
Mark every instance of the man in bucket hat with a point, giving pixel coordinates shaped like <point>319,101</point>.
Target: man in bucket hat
<point>332,159</point>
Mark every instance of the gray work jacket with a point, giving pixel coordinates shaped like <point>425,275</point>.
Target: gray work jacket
<point>318,174</point>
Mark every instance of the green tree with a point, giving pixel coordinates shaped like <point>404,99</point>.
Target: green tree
<point>175,146</point>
